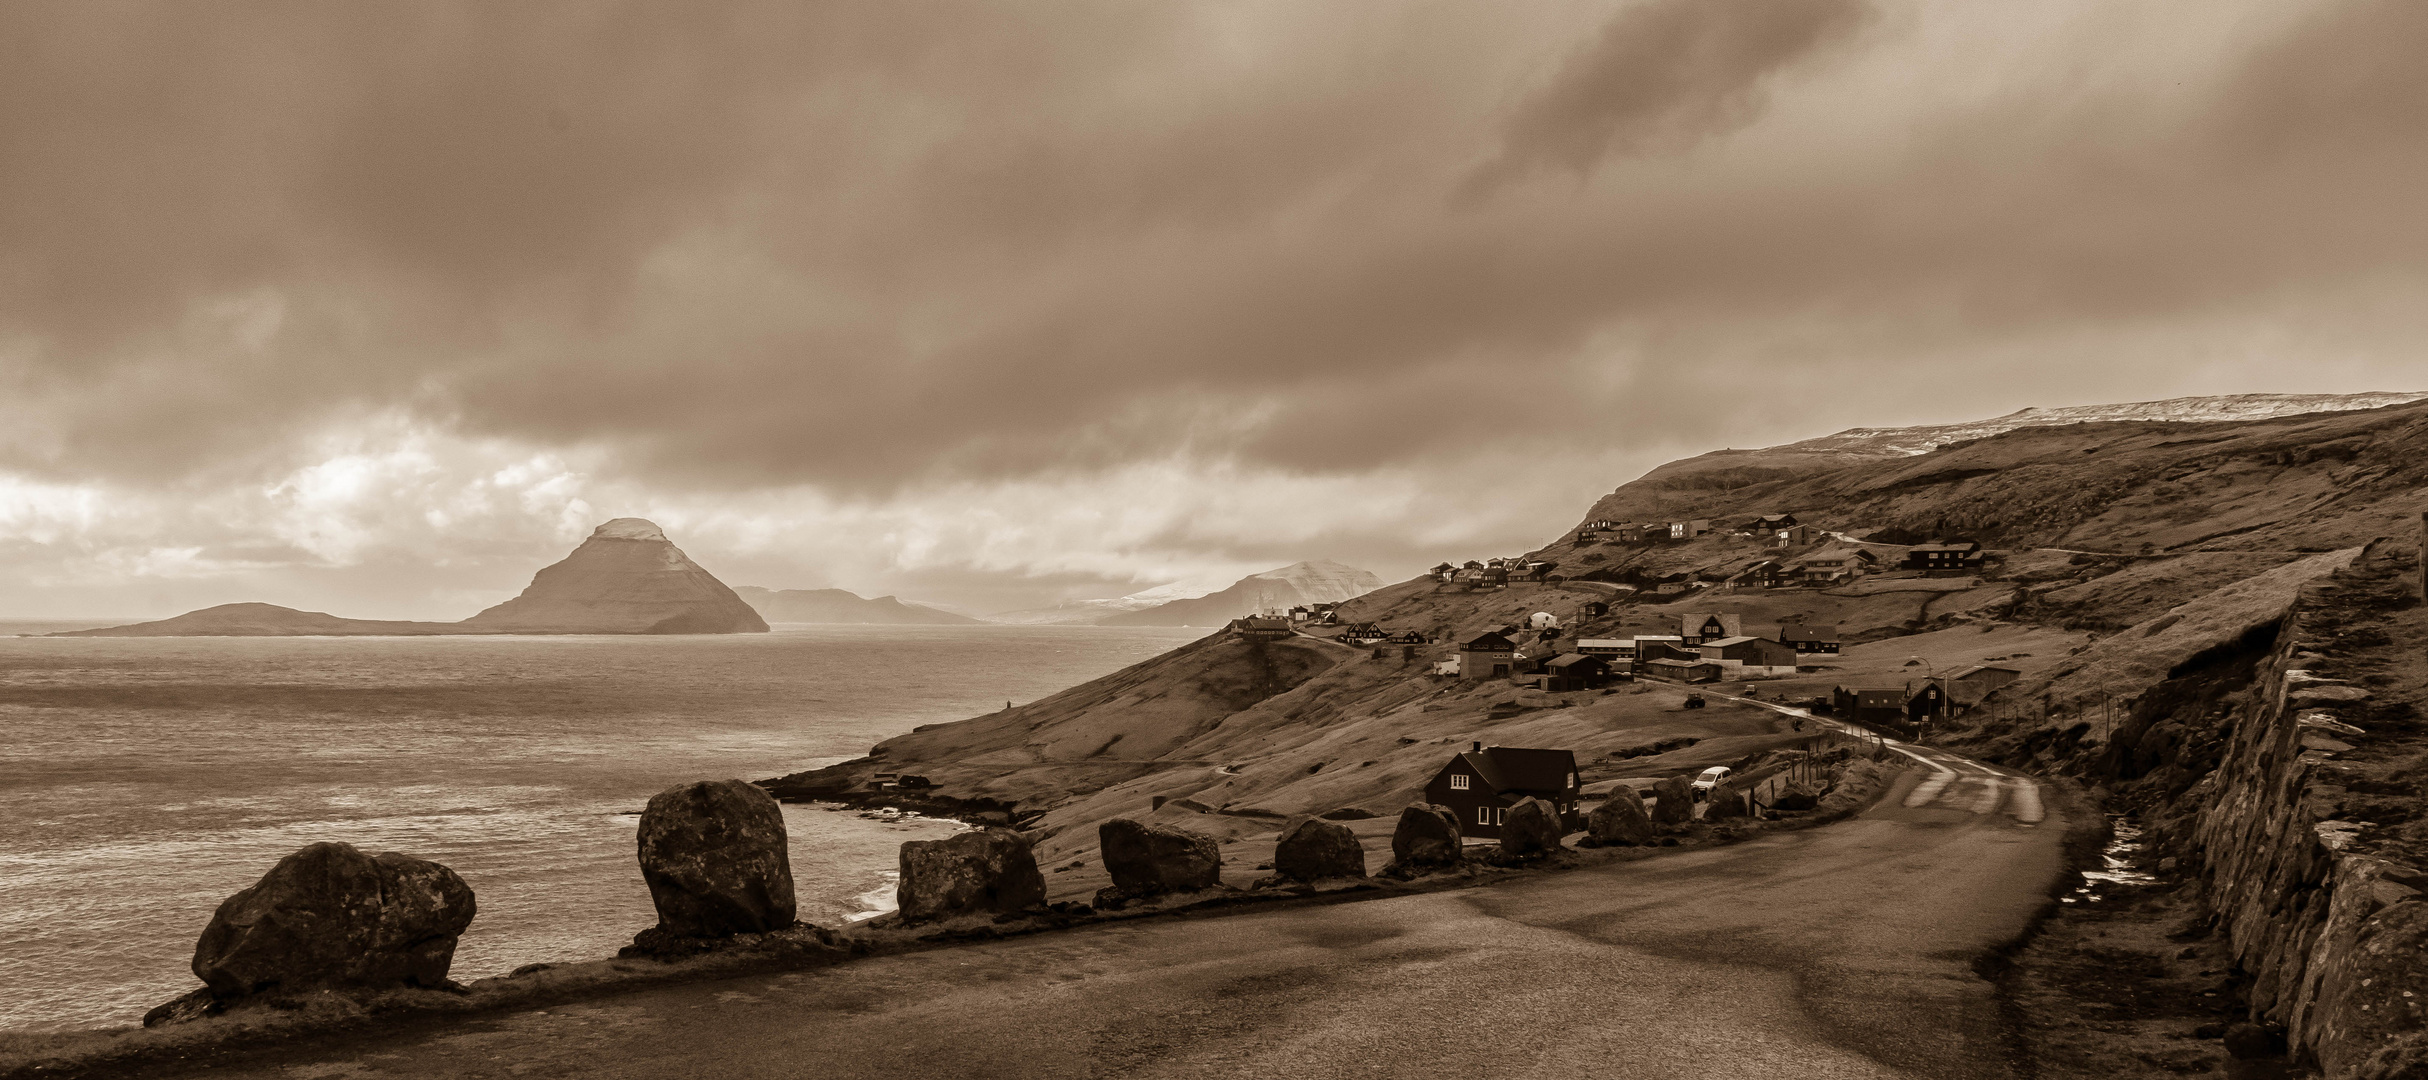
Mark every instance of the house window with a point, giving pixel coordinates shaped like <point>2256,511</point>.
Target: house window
<point>1496,815</point>
<point>1483,815</point>
<point>1458,782</point>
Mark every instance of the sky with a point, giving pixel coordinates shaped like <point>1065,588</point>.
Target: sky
<point>375,309</point>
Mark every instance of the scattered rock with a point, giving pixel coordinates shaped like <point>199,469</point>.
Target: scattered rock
<point>714,856</point>
<point>1530,828</point>
<point>1315,849</point>
<point>1620,820</point>
<point>1427,835</point>
<point>329,917</point>
<point>1673,802</point>
<point>982,871</point>
<point>1149,860</point>
<point>1795,799</point>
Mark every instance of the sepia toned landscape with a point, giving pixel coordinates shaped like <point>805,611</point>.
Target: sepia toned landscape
<point>1597,538</point>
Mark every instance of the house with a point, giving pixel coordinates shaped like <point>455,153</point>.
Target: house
<point>1593,609</point>
<point>1576,671</point>
<point>1686,671</point>
<point>1261,626</point>
<point>1956,556</point>
<point>1673,588</point>
<point>1614,647</point>
<point>1796,536</point>
<point>1832,568</point>
<point>1482,784</point>
<point>1699,627</point>
<point>1909,704</point>
<point>1809,641</point>
<point>1767,574</point>
<point>1665,650</point>
<point>1301,614</point>
<point>1490,578</point>
<point>1446,667</point>
<point>1688,530</point>
<point>1444,573</point>
<point>1410,637</point>
<point>1488,657</point>
<point>1774,522</point>
<point>1746,657</point>
<point>1968,686</point>
<point>1364,633</point>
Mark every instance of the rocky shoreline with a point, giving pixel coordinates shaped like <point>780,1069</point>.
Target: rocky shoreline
<point>330,1012</point>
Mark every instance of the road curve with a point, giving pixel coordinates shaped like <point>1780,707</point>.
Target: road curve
<point>1836,952</point>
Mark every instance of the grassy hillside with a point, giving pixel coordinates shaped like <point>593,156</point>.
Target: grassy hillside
<point>2118,550</point>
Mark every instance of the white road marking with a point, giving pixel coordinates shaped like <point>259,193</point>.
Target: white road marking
<point>1928,789</point>
<point>1989,796</point>
<point>2027,808</point>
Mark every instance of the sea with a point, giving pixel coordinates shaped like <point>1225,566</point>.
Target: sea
<point>143,780</point>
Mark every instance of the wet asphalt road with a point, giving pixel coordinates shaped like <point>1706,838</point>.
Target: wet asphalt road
<point>1842,951</point>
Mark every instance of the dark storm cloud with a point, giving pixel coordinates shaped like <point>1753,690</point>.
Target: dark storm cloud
<point>858,245</point>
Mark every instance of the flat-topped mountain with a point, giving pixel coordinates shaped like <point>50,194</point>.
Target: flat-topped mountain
<point>627,578</point>
<point>840,606</point>
<point>1317,581</point>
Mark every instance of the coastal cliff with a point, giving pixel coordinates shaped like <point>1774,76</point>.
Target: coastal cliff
<point>627,578</point>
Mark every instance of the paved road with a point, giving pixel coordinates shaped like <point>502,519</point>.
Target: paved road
<point>1834,952</point>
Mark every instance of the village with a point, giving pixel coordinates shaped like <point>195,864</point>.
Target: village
<point>1630,633</point>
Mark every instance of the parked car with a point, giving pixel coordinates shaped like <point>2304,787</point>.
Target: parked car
<point>1709,778</point>
<point>1694,701</point>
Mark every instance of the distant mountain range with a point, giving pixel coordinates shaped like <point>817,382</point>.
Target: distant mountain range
<point>838,606</point>
<point>1201,603</point>
<point>627,578</point>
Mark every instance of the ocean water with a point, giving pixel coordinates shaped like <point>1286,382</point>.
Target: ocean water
<point>144,780</point>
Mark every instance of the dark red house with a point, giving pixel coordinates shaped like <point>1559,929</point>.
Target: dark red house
<point>1482,784</point>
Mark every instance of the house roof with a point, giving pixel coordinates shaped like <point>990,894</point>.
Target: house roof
<point>1569,660</point>
<point>1489,643</point>
<point>1517,768</point>
<point>1979,668</point>
<point>1737,640</point>
<point>1677,663</point>
<point>1604,642</point>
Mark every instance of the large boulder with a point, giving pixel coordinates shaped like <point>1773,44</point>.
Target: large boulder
<point>1530,828</point>
<point>1725,803</point>
<point>1620,820</point>
<point>1427,835</point>
<point>1673,802</point>
<point>329,916</point>
<point>1795,798</point>
<point>1315,848</point>
<point>983,871</point>
<point>1149,860</point>
<point>714,856</point>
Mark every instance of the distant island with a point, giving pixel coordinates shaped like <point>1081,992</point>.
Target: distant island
<point>627,578</point>
<point>838,606</point>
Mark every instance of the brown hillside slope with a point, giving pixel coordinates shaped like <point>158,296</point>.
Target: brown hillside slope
<point>1363,729</point>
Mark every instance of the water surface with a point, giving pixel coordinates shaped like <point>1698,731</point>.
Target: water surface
<point>142,780</point>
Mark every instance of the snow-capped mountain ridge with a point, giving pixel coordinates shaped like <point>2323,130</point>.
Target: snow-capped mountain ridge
<point>1923,439</point>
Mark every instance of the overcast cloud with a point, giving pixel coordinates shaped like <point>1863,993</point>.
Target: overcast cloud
<point>373,308</point>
